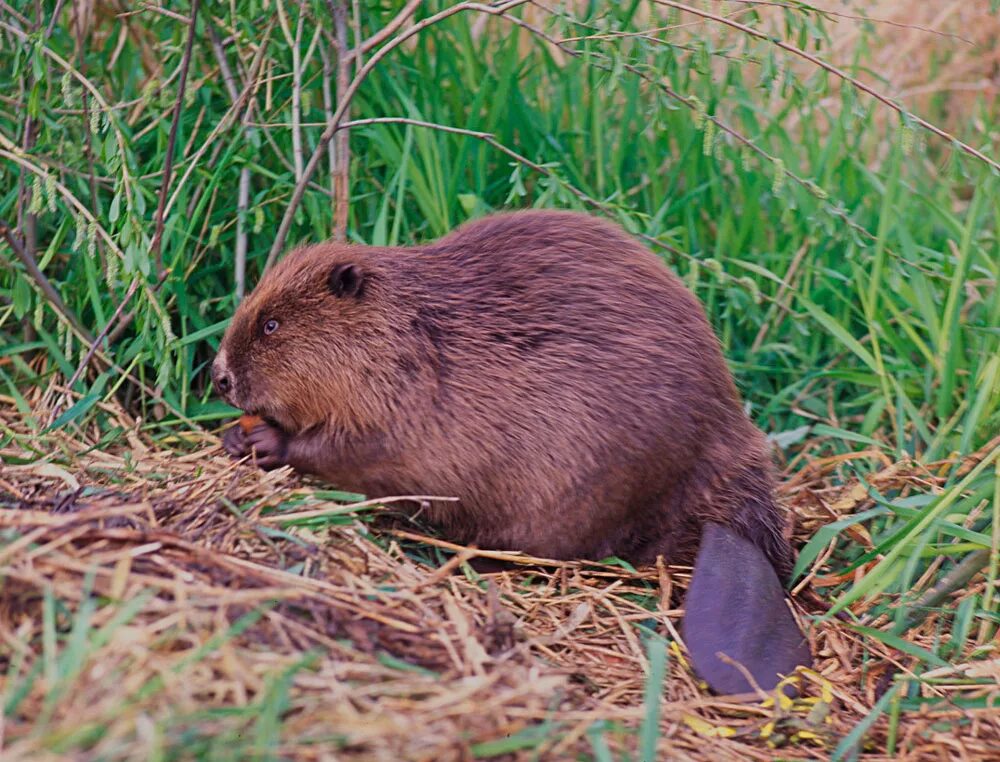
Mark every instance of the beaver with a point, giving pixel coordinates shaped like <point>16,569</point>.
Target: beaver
<point>553,375</point>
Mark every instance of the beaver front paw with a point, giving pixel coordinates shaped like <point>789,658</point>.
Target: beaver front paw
<point>235,441</point>
<point>269,446</point>
<point>266,443</point>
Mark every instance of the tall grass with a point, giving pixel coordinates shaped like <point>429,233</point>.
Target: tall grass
<point>849,268</point>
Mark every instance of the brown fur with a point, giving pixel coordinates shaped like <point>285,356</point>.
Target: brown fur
<point>542,367</point>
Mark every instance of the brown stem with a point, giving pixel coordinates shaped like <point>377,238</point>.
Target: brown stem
<point>243,194</point>
<point>385,32</point>
<point>954,580</point>
<point>55,17</point>
<point>156,247</point>
<point>342,148</point>
<point>96,342</point>
<point>328,112</point>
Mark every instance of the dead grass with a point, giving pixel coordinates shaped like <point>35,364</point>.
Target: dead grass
<point>153,601</point>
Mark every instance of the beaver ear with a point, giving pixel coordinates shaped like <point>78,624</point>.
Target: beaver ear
<point>346,280</point>
<point>736,605</point>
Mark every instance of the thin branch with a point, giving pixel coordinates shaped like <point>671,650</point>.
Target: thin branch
<point>222,125</point>
<point>694,105</point>
<point>359,54</point>
<point>294,43</point>
<point>85,98</point>
<point>242,207</point>
<point>857,17</point>
<point>156,247</point>
<point>345,99</point>
<point>243,194</point>
<point>954,580</point>
<point>55,17</point>
<point>96,342</point>
<point>491,140</point>
<point>15,13</point>
<point>385,32</point>
<point>342,147</point>
<point>328,75</point>
<point>227,119</point>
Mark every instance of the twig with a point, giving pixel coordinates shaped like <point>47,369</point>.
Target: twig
<point>178,17</point>
<point>857,17</point>
<point>222,125</point>
<point>839,73</point>
<point>694,105</point>
<point>242,207</point>
<point>88,86</point>
<point>779,310</point>
<point>328,113</point>
<point>55,17</point>
<point>85,99</point>
<point>243,194</point>
<point>294,43</point>
<point>954,580</point>
<point>43,283</point>
<point>491,140</point>
<point>96,342</point>
<point>359,54</point>
<point>25,218</point>
<point>156,247</point>
<point>384,33</point>
<point>345,99</point>
<point>342,147</point>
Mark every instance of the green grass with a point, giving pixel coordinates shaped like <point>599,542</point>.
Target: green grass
<point>858,308</point>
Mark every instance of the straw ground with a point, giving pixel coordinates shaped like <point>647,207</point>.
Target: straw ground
<point>164,603</point>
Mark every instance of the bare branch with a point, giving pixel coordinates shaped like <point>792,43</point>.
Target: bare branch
<point>385,32</point>
<point>242,207</point>
<point>328,74</point>
<point>243,195</point>
<point>294,42</point>
<point>88,87</point>
<point>156,247</point>
<point>55,17</point>
<point>96,342</point>
<point>342,147</point>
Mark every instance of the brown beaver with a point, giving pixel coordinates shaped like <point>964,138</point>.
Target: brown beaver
<point>553,375</point>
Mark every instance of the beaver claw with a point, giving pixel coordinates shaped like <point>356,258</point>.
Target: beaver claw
<point>266,443</point>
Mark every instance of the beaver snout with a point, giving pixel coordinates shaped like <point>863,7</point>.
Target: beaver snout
<point>222,380</point>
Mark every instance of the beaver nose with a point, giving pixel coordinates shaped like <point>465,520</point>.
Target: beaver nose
<point>222,381</point>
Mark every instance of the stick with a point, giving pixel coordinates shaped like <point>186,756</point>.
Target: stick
<point>156,247</point>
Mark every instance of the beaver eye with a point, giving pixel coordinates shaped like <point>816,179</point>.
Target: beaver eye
<point>270,327</point>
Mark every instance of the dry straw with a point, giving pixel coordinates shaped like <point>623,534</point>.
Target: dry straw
<point>388,654</point>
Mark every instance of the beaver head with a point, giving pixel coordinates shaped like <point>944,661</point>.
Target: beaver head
<point>305,347</point>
